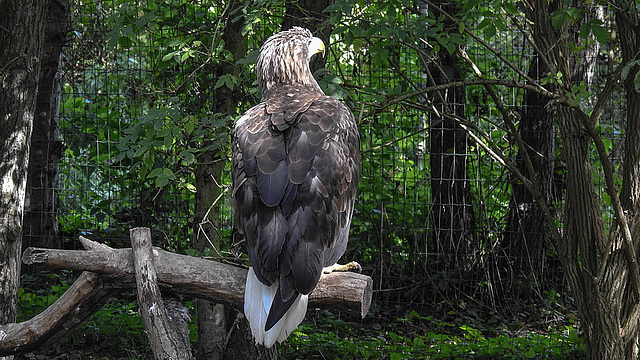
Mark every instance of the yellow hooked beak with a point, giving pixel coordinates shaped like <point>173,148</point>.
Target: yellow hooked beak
<point>316,46</point>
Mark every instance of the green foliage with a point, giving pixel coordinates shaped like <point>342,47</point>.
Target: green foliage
<point>591,26</point>
<point>166,142</point>
<point>332,338</point>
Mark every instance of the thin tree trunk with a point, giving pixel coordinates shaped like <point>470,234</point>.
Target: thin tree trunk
<point>214,322</point>
<point>584,239</point>
<point>212,328</point>
<point>21,41</point>
<point>628,25</point>
<point>526,238</point>
<point>452,209</point>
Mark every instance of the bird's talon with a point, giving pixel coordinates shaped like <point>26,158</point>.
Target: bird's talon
<point>351,266</point>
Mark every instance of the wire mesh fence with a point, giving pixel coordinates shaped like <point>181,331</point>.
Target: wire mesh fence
<point>137,98</point>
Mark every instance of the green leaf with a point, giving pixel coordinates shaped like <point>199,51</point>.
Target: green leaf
<point>175,43</point>
<point>530,354</point>
<point>348,37</point>
<point>601,33</point>
<point>168,141</point>
<point>161,181</point>
<point>227,80</point>
<point>190,125</point>
<point>155,172</point>
<point>187,156</point>
<point>558,18</point>
<point>636,82</point>
<point>490,31</point>
<point>336,6</point>
<point>574,13</point>
<point>585,29</point>
<point>170,55</point>
<point>141,150</point>
<point>184,56</point>
<point>448,44</point>
<point>484,23</point>
<point>458,39</point>
<point>357,31</point>
<point>191,187</point>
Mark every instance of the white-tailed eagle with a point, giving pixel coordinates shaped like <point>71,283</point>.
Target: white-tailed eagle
<point>295,168</point>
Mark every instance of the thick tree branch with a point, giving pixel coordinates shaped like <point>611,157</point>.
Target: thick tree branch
<point>200,277</point>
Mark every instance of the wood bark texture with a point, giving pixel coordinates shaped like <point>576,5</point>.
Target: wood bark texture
<point>40,225</point>
<point>601,268</point>
<point>166,343</point>
<point>202,278</point>
<point>21,41</point>
<point>86,296</point>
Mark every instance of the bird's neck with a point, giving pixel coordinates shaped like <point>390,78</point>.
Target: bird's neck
<point>282,88</point>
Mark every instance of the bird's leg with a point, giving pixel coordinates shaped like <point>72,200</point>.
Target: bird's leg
<point>352,266</point>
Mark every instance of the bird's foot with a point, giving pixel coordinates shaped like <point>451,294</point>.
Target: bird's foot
<point>352,266</point>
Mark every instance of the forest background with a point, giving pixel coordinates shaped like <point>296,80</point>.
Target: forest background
<point>499,196</point>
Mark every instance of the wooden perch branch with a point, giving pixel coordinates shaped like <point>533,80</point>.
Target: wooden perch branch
<point>211,280</point>
<point>109,271</point>
<point>166,341</point>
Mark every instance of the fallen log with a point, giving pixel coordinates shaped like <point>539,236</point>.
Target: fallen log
<point>211,280</point>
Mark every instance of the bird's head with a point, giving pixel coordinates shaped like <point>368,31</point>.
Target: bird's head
<point>284,58</point>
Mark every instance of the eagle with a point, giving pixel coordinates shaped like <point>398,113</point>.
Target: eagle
<point>295,169</point>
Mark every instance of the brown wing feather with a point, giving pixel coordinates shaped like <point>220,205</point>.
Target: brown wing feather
<point>295,171</point>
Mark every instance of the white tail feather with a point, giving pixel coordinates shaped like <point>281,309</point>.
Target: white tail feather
<point>257,302</point>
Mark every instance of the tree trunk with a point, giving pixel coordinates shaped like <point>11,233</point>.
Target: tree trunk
<point>166,327</point>
<point>212,329</point>
<point>22,29</point>
<point>214,322</point>
<point>584,239</point>
<point>526,238</point>
<point>598,267</point>
<point>628,25</point>
<point>452,210</point>
<point>40,226</point>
